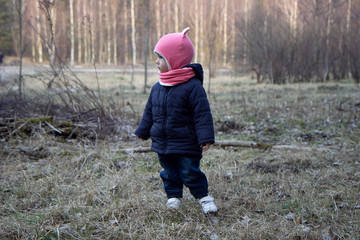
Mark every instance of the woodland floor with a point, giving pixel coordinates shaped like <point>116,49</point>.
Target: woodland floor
<point>79,186</point>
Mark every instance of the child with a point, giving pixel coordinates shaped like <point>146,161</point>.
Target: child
<point>178,120</point>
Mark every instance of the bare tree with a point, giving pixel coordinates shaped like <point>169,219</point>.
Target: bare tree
<point>33,47</point>
<point>20,19</point>
<point>225,38</point>
<point>157,20</point>
<point>251,49</point>
<point>72,39</point>
<point>51,7</point>
<point>85,32</point>
<point>147,31</point>
<point>39,46</point>
<point>133,40</point>
<point>33,38</point>
<point>126,29</point>
<point>114,6</point>
<point>212,33</point>
<point>197,26</point>
<point>79,21</point>
<point>93,34</point>
<point>348,27</point>
<point>233,35</point>
<point>176,15</point>
<point>108,33</point>
<point>246,29</point>
<point>327,40</point>
<point>201,42</point>
<point>354,50</point>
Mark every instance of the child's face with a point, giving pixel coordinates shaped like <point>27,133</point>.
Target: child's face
<point>161,64</point>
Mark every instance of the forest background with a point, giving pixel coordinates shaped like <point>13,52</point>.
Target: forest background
<point>281,41</point>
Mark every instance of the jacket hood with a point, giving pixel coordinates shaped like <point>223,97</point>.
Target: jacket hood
<point>198,70</point>
<point>176,48</point>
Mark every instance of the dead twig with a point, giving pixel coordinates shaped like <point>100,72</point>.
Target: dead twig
<point>53,128</point>
<point>20,127</point>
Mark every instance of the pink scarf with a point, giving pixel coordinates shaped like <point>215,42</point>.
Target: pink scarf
<point>175,77</point>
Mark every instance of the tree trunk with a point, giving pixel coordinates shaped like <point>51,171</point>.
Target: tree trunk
<point>196,39</point>
<point>85,32</point>
<point>327,42</point>
<point>210,68</point>
<point>126,43</point>
<point>71,33</point>
<point>246,31</point>
<point>133,41</point>
<point>225,38</point>
<point>101,32</point>
<point>14,29</point>
<point>201,45</point>
<point>176,17</point>
<point>212,34</point>
<point>38,37</point>
<point>79,21</point>
<point>290,10</point>
<point>348,26</point>
<point>157,19</point>
<point>92,33</point>
<point>114,26</point>
<point>108,40</point>
<point>33,46</point>
<point>294,19</point>
<point>33,31</point>
<point>52,32</point>
<point>167,20</point>
<point>20,48</point>
<point>233,35</point>
<point>147,29</point>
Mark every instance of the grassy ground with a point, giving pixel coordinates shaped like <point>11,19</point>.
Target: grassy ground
<point>52,188</point>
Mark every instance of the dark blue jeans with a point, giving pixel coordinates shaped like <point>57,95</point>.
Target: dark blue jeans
<point>182,170</point>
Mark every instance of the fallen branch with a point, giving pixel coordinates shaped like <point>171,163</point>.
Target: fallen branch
<point>224,144</point>
<point>21,126</point>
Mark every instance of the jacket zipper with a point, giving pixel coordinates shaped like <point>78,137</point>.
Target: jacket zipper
<point>165,119</point>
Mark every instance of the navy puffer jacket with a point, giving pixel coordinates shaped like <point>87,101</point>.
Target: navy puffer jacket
<point>178,118</point>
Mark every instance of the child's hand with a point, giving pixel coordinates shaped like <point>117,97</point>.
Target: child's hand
<point>205,146</point>
<point>140,139</point>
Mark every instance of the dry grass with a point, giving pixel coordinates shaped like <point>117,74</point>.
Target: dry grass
<point>52,188</point>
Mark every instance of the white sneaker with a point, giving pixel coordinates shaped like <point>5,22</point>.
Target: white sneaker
<point>173,203</point>
<point>208,205</point>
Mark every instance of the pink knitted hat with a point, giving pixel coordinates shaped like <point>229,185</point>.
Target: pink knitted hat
<point>176,48</point>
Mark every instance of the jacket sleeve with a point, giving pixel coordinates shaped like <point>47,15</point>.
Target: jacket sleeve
<point>202,117</point>
<point>143,130</point>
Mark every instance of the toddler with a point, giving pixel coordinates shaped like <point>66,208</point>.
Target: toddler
<point>178,119</point>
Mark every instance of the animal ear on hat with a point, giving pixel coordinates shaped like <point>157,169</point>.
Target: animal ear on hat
<point>184,32</point>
